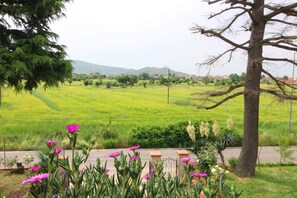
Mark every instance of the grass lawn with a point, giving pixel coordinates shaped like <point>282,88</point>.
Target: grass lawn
<point>10,184</point>
<point>269,182</point>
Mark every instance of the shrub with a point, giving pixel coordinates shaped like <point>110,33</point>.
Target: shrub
<point>109,143</point>
<point>233,162</point>
<point>10,161</point>
<point>160,137</point>
<point>108,84</point>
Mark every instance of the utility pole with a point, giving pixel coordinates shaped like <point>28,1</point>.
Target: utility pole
<point>291,101</point>
<point>168,83</point>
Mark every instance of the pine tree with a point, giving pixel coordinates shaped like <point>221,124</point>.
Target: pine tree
<point>29,52</point>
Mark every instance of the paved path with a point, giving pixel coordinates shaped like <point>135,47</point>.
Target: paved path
<point>267,154</point>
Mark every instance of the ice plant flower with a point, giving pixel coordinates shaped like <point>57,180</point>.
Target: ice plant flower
<point>132,148</point>
<point>106,171</point>
<point>134,158</point>
<point>35,168</point>
<point>114,154</point>
<point>72,128</point>
<point>153,169</point>
<point>51,143</point>
<point>186,159</point>
<point>191,163</point>
<point>36,178</point>
<point>146,176</point>
<point>199,175</point>
<point>57,150</point>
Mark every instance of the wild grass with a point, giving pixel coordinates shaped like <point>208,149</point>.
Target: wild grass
<point>27,120</point>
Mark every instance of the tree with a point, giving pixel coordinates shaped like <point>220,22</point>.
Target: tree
<point>124,79</point>
<point>235,78</point>
<point>269,25</point>
<point>29,53</point>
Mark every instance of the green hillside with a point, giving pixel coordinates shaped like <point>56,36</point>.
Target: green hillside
<point>82,67</point>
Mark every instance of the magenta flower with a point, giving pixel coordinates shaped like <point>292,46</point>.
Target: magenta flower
<point>132,148</point>
<point>199,175</point>
<point>146,176</point>
<point>134,158</point>
<point>36,178</point>
<point>57,150</point>
<point>153,169</point>
<point>72,128</point>
<point>106,171</point>
<point>35,168</point>
<point>186,159</point>
<point>51,143</point>
<point>114,154</point>
<point>191,163</point>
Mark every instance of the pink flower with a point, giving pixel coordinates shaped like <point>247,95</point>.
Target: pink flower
<point>36,178</point>
<point>134,158</point>
<point>35,168</point>
<point>51,143</point>
<point>57,150</point>
<point>153,169</point>
<point>106,171</point>
<point>191,163</point>
<point>132,148</point>
<point>186,159</point>
<point>199,175</point>
<point>114,154</point>
<point>72,128</point>
<point>146,176</point>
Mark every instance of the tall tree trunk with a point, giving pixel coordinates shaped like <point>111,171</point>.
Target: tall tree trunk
<point>248,156</point>
<point>0,95</point>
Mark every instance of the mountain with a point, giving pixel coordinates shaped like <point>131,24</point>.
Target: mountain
<point>82,67</point>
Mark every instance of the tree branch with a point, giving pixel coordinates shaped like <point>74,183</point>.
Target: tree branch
<point>279,95</point>
<point>276,10</point>
<point>221,93</point>
<point>285,47</point>
<point>275,80</point>
<point>211,33</point>
<point>280,60</point>
<point>222,101</point>
<point>245,10</point>
<point>283,22</point>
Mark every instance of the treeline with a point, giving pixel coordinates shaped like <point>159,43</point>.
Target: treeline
<point>145,79</point>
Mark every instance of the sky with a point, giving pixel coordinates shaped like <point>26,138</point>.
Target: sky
<point>143,33</point>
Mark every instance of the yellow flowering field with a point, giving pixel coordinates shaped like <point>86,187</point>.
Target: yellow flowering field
<point>29,118</point>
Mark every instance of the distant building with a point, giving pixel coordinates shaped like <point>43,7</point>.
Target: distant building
<point>291,81</point>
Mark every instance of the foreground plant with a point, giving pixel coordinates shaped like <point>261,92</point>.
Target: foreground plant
<point>64,179</point>
<point>210,141</point>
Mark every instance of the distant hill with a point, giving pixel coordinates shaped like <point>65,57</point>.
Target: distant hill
<point>82,67</point>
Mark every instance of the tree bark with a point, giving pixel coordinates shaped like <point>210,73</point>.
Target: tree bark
<point>0,95</point>
<point>248,156</point>
<point>222,158</point>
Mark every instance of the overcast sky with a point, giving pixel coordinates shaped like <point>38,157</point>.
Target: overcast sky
<point>141,33</point>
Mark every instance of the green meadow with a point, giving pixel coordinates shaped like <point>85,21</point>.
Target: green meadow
<point>29,119</point>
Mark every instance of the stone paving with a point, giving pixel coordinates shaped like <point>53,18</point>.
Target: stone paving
<point>267,154</point>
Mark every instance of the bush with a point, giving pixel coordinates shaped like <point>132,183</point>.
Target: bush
<point>161,137</point>
<point>109,143</point>
<point>108,84</point>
